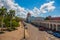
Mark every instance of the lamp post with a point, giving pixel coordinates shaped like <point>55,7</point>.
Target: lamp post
<point>24,31</point>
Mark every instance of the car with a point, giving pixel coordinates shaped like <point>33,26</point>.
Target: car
<point>49,31</point>
<point>41,28</point>
<point>56,34</point>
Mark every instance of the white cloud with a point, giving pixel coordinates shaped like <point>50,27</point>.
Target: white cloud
<point>22,12</point>
<point>36,10</point>
<point>47,7</point>
<point>10,4</point>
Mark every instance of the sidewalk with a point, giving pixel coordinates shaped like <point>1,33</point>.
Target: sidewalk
<point>14,35</point>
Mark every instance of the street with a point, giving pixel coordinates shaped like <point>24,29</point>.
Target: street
<point>34,33</point>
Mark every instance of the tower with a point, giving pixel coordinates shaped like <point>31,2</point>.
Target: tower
<point>28,17</point>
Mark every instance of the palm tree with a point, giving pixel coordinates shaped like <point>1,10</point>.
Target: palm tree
<point>12,14</point>
<point>3,11</point>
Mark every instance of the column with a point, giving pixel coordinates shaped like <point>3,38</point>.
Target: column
<point>56,27</point>
<point>49,25</point>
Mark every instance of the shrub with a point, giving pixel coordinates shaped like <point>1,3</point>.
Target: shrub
<point>9,29</point>
<point>15,24</point>
<point>7,22</point>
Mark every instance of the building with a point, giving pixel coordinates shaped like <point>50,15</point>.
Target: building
<point>53,23</point>
<point>28,17</point>
<point>55,18</point>
<point>35,20</point>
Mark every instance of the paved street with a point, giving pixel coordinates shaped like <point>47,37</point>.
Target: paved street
<point>35,34</point>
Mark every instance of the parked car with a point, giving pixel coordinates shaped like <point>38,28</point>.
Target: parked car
<point>41,28</point>
<point>49,31</point>
<point>56,34</point>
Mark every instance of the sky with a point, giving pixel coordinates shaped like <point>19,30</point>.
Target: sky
<point>37,8</point>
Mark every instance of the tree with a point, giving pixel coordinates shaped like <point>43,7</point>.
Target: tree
<point>8,19</point>
<point>3,11</point>
<point>46,18</point>
<point>12,15</point>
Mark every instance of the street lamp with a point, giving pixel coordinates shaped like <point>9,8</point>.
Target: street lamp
<point>24,31</point>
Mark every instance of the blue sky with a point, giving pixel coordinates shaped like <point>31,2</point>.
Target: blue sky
<point>37,8</point>
<point>30,4</point>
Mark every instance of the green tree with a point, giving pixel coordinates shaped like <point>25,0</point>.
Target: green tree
<point>12,15</point>
<point>46,18</point>
<point>3,11</point>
